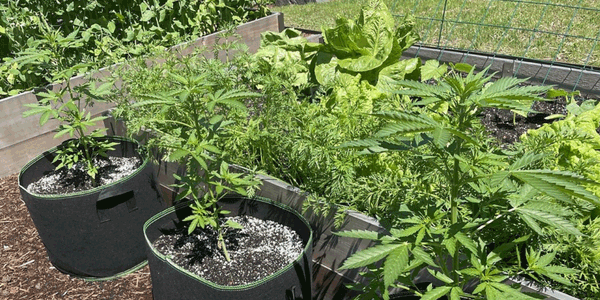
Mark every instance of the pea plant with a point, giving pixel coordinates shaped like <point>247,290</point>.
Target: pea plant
<point>69,106</point>
<point>481,222</point>
<point>186,123</point>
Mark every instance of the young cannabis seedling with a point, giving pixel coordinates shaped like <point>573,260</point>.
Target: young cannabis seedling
<point>483,190</point>
<point>68,105</point>
<point>186,123</point>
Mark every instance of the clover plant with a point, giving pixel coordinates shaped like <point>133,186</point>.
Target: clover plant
<point>186,122</point>
<point>484,192</point>
<point>69,105</point>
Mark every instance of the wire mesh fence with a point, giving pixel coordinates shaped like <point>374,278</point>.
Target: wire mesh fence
<point>552,41</point>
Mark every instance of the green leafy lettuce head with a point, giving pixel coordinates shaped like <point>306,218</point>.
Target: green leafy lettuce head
<point>369,42</point>
<point>573,143</point>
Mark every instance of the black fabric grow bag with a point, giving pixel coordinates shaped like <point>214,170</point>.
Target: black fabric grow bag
<point>95,233</point>
<point>170,281</point>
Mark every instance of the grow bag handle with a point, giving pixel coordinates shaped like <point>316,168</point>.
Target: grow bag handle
<point>110,198</point>
<point>290,294</point>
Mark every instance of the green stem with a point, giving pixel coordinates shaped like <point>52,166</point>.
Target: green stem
<point>454,216</point>
<point>222,246</point>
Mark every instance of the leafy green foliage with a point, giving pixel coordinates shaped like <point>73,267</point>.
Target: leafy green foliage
<point>571,145</point>
<point>361,56</point>
<point>369,46</point>
<point>188,113</point>
<point>445,121</point>
<point>42,38</point>
<point>68,105</point>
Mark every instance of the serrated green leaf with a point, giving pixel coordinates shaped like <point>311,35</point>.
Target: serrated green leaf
<point>177,155</point>
<point>450,244</point>
<point>545,260</point>
<point>409,126</point>
<point>395,264</point>
<point>532,224</point>
<point>409,231</point>
<point>436,293</point>
<point>466,241</point>
<point>526,160</point>
<point>45,117</point>
<point>441,276</point>
<point>369,256</point>
<point>558,278</point>
<point>480,288</point>
<point>420,254</point>
<point>551,219</point>
<point>561,185</point>
<point>455,293</point>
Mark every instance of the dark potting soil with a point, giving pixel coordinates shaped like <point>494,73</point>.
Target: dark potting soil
<point>507,127</point>
<point>258,250</point>
<point>73,180</point>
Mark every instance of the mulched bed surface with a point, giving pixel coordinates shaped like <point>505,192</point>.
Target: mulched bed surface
<point>26,272</point>
<point>258,250</point>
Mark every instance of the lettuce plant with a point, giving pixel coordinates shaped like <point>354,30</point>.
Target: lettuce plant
<point>186,122</point>
<point>370,45</point>
<point>483,191</point>
<point>361,53</point>
<point>572,144</point>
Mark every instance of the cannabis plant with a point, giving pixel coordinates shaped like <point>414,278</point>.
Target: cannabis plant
<point>484,193</point>
<point>186,123</point>
<point>69,106</point>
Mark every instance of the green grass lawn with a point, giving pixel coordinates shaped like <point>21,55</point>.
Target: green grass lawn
<point>564,30</point>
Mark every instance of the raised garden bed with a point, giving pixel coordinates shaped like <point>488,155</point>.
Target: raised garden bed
<point>329,250</point>
<point>32,276</point>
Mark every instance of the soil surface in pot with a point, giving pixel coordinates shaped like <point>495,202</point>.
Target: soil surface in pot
<point>259,249</point>
<point>507,127</point>
<point>26,272</point>
<point>65,181</point>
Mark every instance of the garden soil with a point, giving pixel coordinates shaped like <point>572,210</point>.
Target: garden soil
<point>26,272</point>
<point>507,127</point>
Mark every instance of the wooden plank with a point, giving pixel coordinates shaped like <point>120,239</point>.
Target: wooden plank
<point>15,156</point>
<point>562,76</point>
<point>16,129</point>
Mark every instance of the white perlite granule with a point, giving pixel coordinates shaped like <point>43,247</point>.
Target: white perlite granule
<point>259,249</point>
<point>72,180</point>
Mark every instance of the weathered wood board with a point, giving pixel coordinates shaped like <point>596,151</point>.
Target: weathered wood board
<point>564,76</point>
